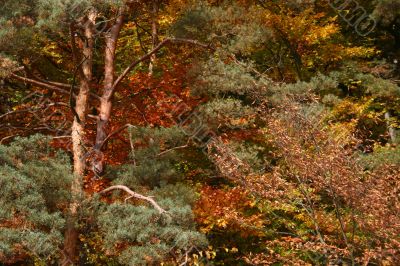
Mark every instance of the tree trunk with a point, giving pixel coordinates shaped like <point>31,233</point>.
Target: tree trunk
<point>391,130</point>
<point>154,34</point>
<point>78,132</point>
<point>108,89</point>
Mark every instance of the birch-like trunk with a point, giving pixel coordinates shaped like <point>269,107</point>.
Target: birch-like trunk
<point>111,40</point>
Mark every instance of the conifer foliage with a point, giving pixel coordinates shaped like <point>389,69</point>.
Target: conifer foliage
<point>35,182</point>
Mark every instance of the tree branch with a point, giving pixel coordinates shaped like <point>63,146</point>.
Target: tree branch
<point>155,50</point>
<point>139,37</point>
<point>47,85</point>
<point>174,148</point>
<point>57,84</point>
<point>135,195</point>
<point>39,83</point>
<point>193,42</point>
<point>15,112</point>
<point>114,133</point>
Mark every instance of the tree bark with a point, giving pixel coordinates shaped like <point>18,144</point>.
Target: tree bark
<point>111,40</point>
<point>391,130</point>
<point>78,133</point>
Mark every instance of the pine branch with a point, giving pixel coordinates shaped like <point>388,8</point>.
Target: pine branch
<point>135,195</point>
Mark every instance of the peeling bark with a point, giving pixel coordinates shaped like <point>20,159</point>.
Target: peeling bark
<point>78,134</point>
<point>111,40</point>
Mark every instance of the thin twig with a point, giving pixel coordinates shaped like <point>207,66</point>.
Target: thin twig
<point>172,149</point>
<point>132,147</point>
<point>186,256</point>
<point>310,210</point>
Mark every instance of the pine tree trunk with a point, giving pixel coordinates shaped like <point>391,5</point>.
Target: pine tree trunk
<point>78,132</point>
<point>108,89</point>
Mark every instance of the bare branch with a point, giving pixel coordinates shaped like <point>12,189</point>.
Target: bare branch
<point>135,63</point>
<point>15,112</point>
<point>55,86</point>
<point>62,137</point>
<point>31,110</point>
<point>186,257</point>
<point>155,50</point>
<point>132,148</point>
<point>193,42</point>
<point>175,148</point>
<point>115,133</point>
<point>39,83</point>
<point>135,195</point>
<point>142,28</point>
<point>139,37</point>
<point>58,84</point>
<point>18,69</point>
<point>7,137</point>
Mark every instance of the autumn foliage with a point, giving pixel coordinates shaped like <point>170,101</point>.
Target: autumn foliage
<point>198,133</point>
